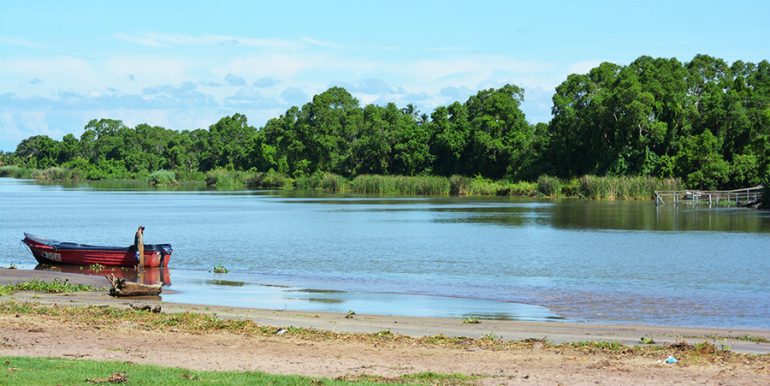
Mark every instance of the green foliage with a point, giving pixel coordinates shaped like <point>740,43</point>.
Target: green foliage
<point>471,320</point>
<point>15,171</point>
<point>703,122</point>
<point>481,186</point>
<point>549,186</point>
<point>404,185</point>
<point>219,268</point>
<point>270,180</point>
<point>627,188</point>
<point>221,178</point>
<point>162,178</point>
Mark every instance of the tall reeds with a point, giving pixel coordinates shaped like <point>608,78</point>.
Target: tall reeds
<point>401,185</point>
<point>625,188</point>
<point>14,171</point>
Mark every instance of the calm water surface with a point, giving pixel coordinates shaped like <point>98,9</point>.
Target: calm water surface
<point>590,261</point>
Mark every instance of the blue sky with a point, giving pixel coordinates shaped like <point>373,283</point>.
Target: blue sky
<point>185,64</point>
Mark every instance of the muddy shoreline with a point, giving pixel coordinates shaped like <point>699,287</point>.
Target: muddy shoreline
<point>51,336</point>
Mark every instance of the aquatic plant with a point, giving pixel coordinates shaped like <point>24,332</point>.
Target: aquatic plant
<point>549,186</point>
<point>220,178</point>
<point>269,180</point>
<point>14,171</point>
<point>96,267</point>
<point>401,185</point>
<point>162,177</point>
<point>350,314</point>
<point>471,320</point>
<point>220,269</point>
<point>55,286</point>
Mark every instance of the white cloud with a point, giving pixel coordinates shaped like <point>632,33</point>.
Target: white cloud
<point>165,39</point>
<point>322,43</point>
<point>582,67</point>
<point>15,41</point>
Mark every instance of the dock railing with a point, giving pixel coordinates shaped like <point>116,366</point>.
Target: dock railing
<point>718,198</point>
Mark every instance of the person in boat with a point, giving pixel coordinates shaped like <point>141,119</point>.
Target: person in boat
<point>139,245</point>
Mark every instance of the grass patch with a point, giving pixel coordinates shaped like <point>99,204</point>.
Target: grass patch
<point>55,286</point>
<point>14,171</point>
<point>480,186</point>
<point>220,178</point>
<point>471,320</point>
<point>625,188</point>
<point>401,185</point>
<point>751,338</point>
<point>49,371</point>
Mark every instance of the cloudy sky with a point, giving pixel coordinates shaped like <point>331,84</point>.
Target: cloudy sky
<point>185,64</point>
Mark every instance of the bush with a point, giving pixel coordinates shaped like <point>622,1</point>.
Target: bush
<point>328,182</point>
<point>549,186</point>
<point>162,177</point>
<point>269,180</point>
<point>459,185</point>
<point>225,179</point>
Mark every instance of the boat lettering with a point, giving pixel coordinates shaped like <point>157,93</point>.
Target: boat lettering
<point>52,256</point>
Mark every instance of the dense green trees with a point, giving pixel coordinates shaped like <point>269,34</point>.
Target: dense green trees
<point>705,121</point>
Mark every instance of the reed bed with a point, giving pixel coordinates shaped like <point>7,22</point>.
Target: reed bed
<point>14,171</point>
<point>401,185</point>
<point>625,188</point>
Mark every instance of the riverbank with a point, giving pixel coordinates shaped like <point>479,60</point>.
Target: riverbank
<point>588,186</point>
<point>92,325</point>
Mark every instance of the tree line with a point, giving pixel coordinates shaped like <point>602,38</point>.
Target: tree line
<point>704,121</point>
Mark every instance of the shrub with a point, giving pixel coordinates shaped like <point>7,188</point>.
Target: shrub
<point>162,177</point>
<point>269,180</point>
<point>225,179</point>
<point>549,186</point>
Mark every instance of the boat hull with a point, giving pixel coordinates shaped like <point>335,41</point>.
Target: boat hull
<point>54,253</point>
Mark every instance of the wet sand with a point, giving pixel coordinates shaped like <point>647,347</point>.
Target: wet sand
<point>38,336</point>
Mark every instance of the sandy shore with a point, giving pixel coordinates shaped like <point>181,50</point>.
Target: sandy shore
<point>38,336</point>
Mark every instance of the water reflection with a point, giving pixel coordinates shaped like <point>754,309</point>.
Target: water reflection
<point>149,276</point>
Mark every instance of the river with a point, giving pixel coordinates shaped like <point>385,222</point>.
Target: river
<point>574,260</point>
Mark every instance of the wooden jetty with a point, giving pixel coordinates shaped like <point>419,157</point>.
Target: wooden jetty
<point>712,198</point>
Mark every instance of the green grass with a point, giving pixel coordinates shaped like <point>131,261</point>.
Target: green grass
<point>471,320</point>
<point>401,185</point>
<point>57,174</point>
<point>55,286</point>
<point>226,179</point>
<point>625,188</point>
<point>15,171</point>
<point>49,371</point>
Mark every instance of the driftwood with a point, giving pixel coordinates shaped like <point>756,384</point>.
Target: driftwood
<point>121,287</point>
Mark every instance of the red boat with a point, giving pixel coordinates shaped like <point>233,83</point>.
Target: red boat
<point>56,252</point>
